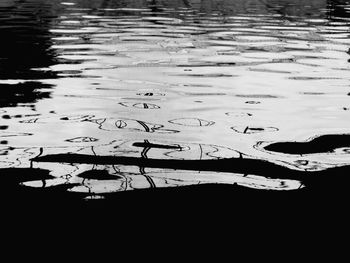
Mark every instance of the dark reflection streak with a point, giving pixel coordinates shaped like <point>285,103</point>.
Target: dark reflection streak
<point>153,145</point>
<point>149,179</point>
<point>153,6</point>
<point>216,150</point>
<point>336,10</point>
<point>11,176</point>
<point>142,171</point>
<point>144,126</point>
<point>187,3</point>
<point>105,4</point>
<point>321,144</point>
<point>142,168</point>
<point>144,152</point>
<point>41,150</point>
<point>125,182</point>
<point>231,165</point>
<point>98,175</point>
<point>93,151</point>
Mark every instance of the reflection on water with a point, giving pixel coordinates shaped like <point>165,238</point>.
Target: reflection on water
<point>25,39</point>
<point>106,96</point>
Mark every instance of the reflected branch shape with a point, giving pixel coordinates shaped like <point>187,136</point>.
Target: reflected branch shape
<point>142,168</point>
<point>230,165</point>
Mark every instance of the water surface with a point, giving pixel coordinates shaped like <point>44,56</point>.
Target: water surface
<point>133,94</point>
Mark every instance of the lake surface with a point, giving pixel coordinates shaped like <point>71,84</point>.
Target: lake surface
<point>104,96</point>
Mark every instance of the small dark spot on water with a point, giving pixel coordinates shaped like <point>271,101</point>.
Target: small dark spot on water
<point>194,122</point>
<point>18,116</point>
<point>7,117</point>
<point>29,121</point>
<point>120,124</point>
<point>302,162</point>
<point>253,102</point>
<point>3,142</point>
<point>256,129</point>
<point>150,94</point>
<point>64,118</point>
<point>251,130</point>
<point>4,127</point>
<point>197,85</point>
<point>31,115</point>
<point>312,93</point>
<point>239,114</point>
<point>82,139</point>
<point>255,96</point>
<point>140,105</point>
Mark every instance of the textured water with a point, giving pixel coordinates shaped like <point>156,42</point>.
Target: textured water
<point>173,80</point>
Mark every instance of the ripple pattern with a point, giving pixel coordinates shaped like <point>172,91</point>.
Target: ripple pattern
<point>167,93</point>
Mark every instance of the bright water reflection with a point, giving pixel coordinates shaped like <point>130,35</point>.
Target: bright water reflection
<point>187,80</point>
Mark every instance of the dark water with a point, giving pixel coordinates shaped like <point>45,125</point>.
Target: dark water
<point>104,96</point>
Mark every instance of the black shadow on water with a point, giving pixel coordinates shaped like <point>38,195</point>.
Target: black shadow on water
<point>23,93</point>
<point>25,51</point>
<point>327,189</point>
<point>321,144</point>
<point>26,41</point>
<point>328,178</point>
<point>337,10</point>
<point>98,175</point>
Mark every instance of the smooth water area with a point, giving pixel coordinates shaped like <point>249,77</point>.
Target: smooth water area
<point>173,80</point>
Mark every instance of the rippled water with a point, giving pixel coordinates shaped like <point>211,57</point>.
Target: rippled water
<point>111,96</point>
